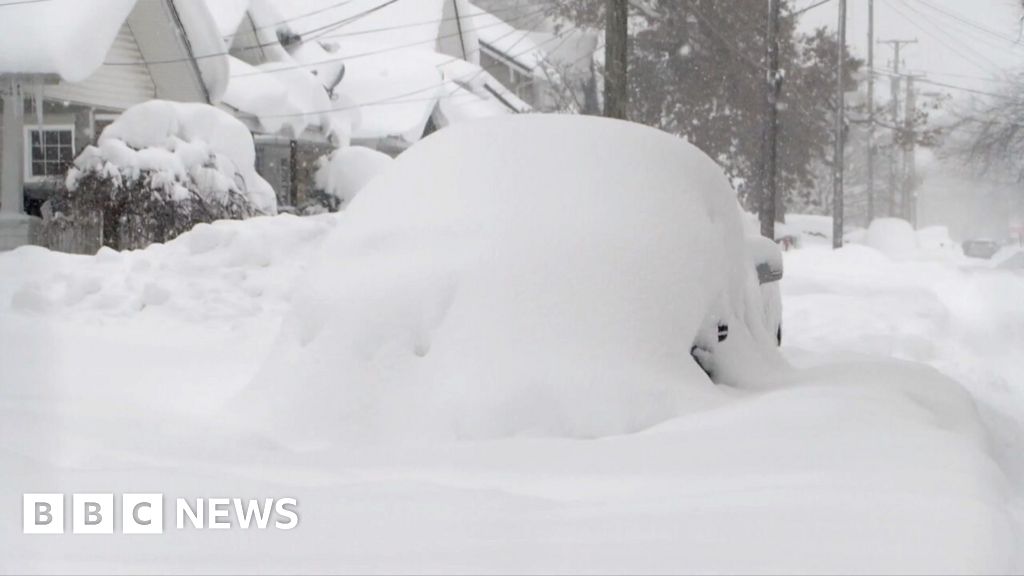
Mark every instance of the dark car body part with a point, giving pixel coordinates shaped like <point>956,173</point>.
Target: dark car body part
<point>984,249</point>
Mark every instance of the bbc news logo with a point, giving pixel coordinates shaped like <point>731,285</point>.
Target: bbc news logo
<point>144,513</point>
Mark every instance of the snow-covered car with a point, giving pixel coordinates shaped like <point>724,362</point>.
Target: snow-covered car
<point>981,248</point>
<point>766,257</point>
<point>537,274</point>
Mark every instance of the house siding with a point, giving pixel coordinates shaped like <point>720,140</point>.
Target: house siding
<point>114,87</point>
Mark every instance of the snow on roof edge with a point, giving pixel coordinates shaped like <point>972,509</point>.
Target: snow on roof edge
<point>70,38</point>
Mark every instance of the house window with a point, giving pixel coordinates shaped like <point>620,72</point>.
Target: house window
<point>49,151</point>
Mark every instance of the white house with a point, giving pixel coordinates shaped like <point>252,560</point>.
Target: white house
<point>305,76</point>
<point>409,67</point>
<point>68,67</point>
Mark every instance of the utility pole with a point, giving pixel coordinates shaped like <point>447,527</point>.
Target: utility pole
<point>837,161</point>
<point>895,84</point>
<point>871,111</point>
<point>907,201</point>
<point>616,58</point>
<point>770,137</point>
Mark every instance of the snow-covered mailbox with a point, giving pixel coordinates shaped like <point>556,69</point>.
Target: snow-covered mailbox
<point>68,67</point>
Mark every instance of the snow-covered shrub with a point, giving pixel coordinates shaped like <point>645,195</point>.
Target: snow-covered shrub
<point>343,173</point>
<point>161,168</point>
<point>892,236</point>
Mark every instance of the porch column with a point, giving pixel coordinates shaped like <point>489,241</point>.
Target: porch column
<point>13,149</point>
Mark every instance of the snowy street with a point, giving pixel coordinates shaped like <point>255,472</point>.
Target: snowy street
<point>511,287</point>
<point>142,352</point>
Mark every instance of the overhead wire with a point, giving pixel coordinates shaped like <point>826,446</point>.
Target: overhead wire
<point>403,98</point>
<point>388,49</point>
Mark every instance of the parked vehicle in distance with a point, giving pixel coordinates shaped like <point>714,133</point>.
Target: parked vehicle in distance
<point>981,248</point>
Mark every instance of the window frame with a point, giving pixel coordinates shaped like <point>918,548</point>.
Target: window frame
<point>29,175</point>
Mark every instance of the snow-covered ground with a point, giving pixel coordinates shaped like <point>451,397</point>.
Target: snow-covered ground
<point>116,368</point>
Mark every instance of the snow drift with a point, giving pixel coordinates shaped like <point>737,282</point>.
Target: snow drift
<point>522,275</point>
<point>122,361</point>
<point>892,236</point>
<point>344,172</point>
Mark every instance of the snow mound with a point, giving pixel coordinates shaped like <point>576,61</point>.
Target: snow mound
<point>936,239</point>
<point>535,275</point>
<point>181,142</point>
<point>346,171</point>
<point>225,271</point>
<point>892,236</point>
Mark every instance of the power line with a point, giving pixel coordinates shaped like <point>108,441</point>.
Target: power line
<point>967,89</point>
<point>275,42</point>
<point>978,59</point>
<point>256,46</point>
<point>967,22</point>
<point>393,48</point>
<point>298,17</point>
<point>313,34</point>
<point>421,23</point>
<point>399,98</point>
<point>20,2</point>
<point>808,8</point>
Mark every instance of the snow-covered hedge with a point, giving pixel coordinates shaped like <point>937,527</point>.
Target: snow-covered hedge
<point>162,167</point>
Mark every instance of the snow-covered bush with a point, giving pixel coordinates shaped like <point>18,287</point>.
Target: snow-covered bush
<point>892,236</point>
<point>343,173</point>
<point>162,167</point>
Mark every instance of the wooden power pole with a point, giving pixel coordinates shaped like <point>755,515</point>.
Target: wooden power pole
<point>895,81</point>
<point>840,124</point>
<point>616,58</point>
<point>770,137</point>
<point>871,112</point>
<point>907,202</point>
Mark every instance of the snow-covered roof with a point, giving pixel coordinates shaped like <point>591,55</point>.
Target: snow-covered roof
<point>512,44</point>
<point>72,38</point>
<point>412,24</point>
<point>392,59</point>
<point>278,95</point>
<point>69,38</point>
<point>394,96</point>
<point>471,92</point>
<point>206,45</point>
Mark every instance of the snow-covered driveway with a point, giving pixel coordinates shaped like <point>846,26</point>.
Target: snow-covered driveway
<point>115,370</point>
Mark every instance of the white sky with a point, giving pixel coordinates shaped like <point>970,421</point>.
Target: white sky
<point>949,51</point>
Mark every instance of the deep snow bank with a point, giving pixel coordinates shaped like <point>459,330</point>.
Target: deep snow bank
<point>892,236</point>
<point>225,271</point>
<point>344,172</point>
<point>837,459</point>
<point>524,275</point>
